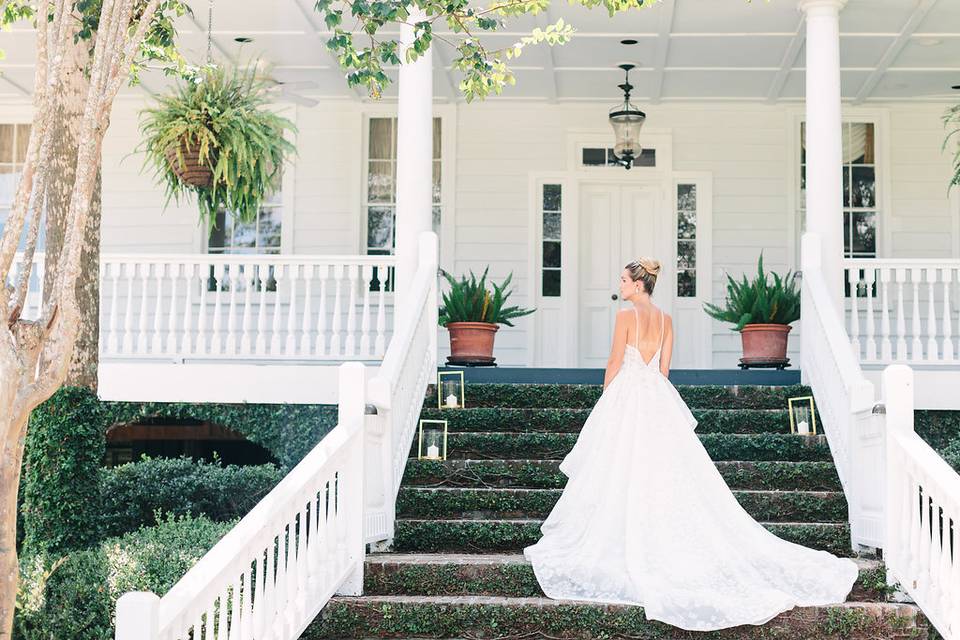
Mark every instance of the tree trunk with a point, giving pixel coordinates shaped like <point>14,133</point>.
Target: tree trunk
<point>69,99</point>
<point>12,423</point>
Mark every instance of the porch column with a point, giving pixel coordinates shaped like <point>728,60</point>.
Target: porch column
<point>414,156</point>
<point>824,146</point>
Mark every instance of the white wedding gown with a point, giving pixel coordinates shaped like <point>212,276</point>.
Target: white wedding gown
<point>646,519</point>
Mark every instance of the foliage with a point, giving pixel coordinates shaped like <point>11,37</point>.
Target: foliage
<point>135,492</point>
<point>469,300</point>
<point>758,301</point>
<point>223,114</point>
<point>951,121</point>
<point>484,70</point>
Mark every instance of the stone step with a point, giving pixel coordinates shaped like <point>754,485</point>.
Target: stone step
<point>499,617</point>
<point>720,446</point>
<point>510,575</point>
<point>562,420</point>
<point>495,503</point>
<point>586,395</point>
<point>477,536</point>
<point>545,474</point>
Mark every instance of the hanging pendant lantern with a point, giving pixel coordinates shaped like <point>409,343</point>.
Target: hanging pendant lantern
<point>626,121</point>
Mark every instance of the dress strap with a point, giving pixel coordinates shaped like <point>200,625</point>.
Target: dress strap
<point>661,330</point>
<point>636,330</point>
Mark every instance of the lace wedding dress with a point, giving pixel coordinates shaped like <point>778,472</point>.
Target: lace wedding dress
<point>646,519</point>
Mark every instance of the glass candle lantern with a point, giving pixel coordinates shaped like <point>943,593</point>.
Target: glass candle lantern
<point>432,441</point>
<point>450,390</point>
<point>803,419</point>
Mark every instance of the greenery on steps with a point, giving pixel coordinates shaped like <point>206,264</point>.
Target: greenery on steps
<point>544,474</point>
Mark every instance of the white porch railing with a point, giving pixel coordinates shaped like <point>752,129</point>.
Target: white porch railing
<point>845,400</point>
<point>904,310</point>
<point>922,550</point>
<point>271,575</point>
<point>298,307</point>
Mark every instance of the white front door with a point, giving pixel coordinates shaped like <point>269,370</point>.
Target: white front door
<point>618,223</point>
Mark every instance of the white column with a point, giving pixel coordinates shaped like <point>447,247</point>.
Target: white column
<point>823,138</point>
<point>414,157</point>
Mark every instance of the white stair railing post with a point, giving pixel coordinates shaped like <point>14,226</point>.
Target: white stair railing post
<point>897,390</point>
<point>352,407</point>
<point>138,616</point>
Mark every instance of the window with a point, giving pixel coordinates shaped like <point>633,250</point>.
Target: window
<point>551,209</point>
<point>13,151</point>
<point>860,209</point>
<point>601,157</point>
<point>686,240</point>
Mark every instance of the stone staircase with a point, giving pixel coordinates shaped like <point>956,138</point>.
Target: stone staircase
<point>457,571</point>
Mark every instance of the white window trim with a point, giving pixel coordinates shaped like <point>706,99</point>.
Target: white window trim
<point>880,118</point>
<point>704,269</point>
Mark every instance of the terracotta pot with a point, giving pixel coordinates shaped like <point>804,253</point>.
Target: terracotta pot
<point>191,171</point>
<point>765,342</point>
<point>471,342</point>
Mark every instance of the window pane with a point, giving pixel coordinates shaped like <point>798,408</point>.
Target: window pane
<point>846,186</point>
<point>551,253</point>
<point>6,142</point>
<point>269,229</point>
<point>551,225</point>
<point>218,239</point>
<point>858,147</point>
<point>648,158</point>
<point>864,187</point>
<point>686,254</point>
<point>864,233</point>
<point>8,184</point>
<point>380,187</point>
<point>803,186</point>
<point>686,284</point>
<point>687,197</point>
<point>436,139</point>
<point>23,140</point>
<point>803,143</point>
<point>436,182</point>
<point>436,220</point>
<point>380,227</point>
<point>381,139</point>
<point>551,197</point>
<point>594,157</point>
<point>551,283</point>
<point>687,224</point>
<point>244,236</point>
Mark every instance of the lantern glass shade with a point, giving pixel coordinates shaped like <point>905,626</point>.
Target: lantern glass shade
<point>627,121</point>
<point>803,418</point>
<point>432,441</point>
<point>450,390</point>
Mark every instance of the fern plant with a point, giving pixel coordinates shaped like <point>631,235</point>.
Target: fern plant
<point>758,301</point>
<point>221,112</point>
<point>469,300</point>
<point>951,120</point>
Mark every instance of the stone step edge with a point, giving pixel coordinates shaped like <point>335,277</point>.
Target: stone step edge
<point>779,492</point>
<point>540,521</point>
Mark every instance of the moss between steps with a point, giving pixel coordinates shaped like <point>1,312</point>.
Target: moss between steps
<point>544,474</point>
<point>563,420</point>
<point>792,506</point>
<point>478,536</point>
<point>585,396</point>
<point>360,617</point>
<point>526,446</point>
<point>517,580</point>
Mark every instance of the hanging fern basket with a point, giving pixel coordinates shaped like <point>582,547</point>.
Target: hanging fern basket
<point>191,171</point>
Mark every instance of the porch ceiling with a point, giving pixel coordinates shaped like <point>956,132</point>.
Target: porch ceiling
<point>688,50</point>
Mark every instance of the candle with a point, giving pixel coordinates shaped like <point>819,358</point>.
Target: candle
<point>433,451</point>
<point>803,427</point>
<point>452,401</point>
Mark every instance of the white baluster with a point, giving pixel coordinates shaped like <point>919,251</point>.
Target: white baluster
<point>948,352</point>
<point>321,350</point>
<point>249,280</point>
<point>203,271</point>
<point>335,336</point>
<point>870,277</point>
<point>279,275</point>
<point>916,351</point>
<point>216,342</point>
<point>222,618</point>
<point>306,330</point>
<point>367,271</point>
<point>853,277</point>
<point>290,346</point>
<point>933,353</point>
<point>263,277</point>
<point>886,347</point>
<point>232,272</point>
<point>156,344</point>
<point>190,280</point>
<point>113,339</point>
<point>351,344</point>
<point>144,290</point>
<point>901,275</point>
<point>380,345</point>
<point>171,346</point>
<point>130,271</point>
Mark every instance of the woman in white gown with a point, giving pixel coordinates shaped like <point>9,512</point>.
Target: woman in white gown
<point>646,518</point>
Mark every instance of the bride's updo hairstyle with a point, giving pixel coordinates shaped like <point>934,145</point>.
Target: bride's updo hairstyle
<point>645,270</point>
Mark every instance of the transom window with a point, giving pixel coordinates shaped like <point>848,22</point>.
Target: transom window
<point>604,157</point>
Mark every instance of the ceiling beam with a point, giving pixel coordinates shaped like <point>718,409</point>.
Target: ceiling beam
<point>449,89</point>
<point>664,29</point>
<point>890,56</point>
<point>308,17</point>
<point>786,64</point>
<point>543,20</point>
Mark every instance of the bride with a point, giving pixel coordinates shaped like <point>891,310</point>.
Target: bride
<point>646,518</point>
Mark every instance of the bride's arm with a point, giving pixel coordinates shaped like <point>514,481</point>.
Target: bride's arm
<point>616,351</point>
<point>667,351</point>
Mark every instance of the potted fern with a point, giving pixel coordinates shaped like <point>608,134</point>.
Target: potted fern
<point>216,138</point>
<point>761,311</point>
<point>472,315</point>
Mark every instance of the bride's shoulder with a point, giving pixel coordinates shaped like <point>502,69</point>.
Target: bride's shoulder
<point>624,315</point>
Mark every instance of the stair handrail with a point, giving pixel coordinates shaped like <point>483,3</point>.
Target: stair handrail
<point>845,401</point>
<point>273,572</point>
<point>923,499</point>
<point>397,392</point>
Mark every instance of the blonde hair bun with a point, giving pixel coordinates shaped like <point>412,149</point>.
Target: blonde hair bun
<point>645,270</point>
